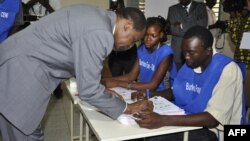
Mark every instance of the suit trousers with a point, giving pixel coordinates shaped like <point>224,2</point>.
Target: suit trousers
<point>8,132</point>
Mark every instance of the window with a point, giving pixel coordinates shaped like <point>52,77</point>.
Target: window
<point>137,3</point>
<point>142,5</point>
<point>216,9</point>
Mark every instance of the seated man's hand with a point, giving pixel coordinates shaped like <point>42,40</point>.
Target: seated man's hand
<point>151,120</point>
<point>140,106</point>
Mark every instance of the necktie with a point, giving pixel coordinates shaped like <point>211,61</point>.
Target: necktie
<point>186,10</point>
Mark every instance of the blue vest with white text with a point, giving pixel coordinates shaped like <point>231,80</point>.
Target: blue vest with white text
<point>149,62</point>
<point>8,12</point>
<point>192,90</point>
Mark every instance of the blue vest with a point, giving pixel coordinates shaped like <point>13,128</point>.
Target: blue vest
<point>192,91</point>
<point>8,12</point>
<point>149,62</point>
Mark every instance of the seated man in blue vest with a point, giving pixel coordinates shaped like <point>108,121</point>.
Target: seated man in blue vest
<point>208,87</point>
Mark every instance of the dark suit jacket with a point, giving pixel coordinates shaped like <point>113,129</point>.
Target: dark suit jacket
<point>176,13</point>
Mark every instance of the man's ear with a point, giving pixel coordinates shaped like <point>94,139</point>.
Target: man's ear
<point>128,25</point>
<point>161,35</point>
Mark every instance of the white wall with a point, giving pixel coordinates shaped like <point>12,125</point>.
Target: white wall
<point>99,3</point>
<point>158,7</point>
<point>155,8</point>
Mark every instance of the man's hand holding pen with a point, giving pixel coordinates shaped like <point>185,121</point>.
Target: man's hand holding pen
<point>139,106</point>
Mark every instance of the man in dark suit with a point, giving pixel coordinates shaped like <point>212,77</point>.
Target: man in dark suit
<point>73,41</point>
<point>182,16</point>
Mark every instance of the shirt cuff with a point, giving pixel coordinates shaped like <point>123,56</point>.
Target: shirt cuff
<point>181,26</point>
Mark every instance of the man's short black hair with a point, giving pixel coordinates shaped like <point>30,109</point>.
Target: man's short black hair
<point>133,14</point>
<point>202,33</point>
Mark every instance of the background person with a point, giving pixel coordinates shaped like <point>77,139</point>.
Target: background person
<point>154,60</point>
<point>239,23</point>
<point>182,16</point>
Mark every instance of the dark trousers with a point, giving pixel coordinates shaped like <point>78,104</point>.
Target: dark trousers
<point>194,135</point>
<point>120,67</point>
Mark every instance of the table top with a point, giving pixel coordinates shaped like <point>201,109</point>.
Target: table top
<point>107,129</point>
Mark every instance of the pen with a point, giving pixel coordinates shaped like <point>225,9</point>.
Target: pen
<point>147,93</point>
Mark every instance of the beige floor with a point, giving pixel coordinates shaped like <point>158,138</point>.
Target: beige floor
<point>57,119</point>
<point>56,122</point>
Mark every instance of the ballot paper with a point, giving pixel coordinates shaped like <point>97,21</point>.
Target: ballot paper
<point>161,106</point>
<point>245,42</point>
<point>164,107</point>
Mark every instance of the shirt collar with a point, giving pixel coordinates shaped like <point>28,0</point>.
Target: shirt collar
<point>114,29</point>
<point>188,6</point>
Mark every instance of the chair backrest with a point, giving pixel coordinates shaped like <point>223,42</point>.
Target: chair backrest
<point>242,67</point>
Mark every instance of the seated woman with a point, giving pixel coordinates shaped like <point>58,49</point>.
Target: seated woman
<point>154,59</point>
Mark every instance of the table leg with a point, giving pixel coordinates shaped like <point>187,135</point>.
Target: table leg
<point>87,131</point>
<point>185,138</point>
<point>81,126</point>
<point>71,122</point>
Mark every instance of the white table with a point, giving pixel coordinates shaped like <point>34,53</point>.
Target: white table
<point>107,129</point>
<point>72,92</point>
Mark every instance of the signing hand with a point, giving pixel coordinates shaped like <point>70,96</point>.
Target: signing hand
<point>140,106</point>
<point>151,120</point>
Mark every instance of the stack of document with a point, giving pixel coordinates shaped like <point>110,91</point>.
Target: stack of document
<point>164,107</point>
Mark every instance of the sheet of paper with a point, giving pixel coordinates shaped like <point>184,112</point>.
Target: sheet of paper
<point>161,106</point>
<point>245,41</point>
<point>164,107</point>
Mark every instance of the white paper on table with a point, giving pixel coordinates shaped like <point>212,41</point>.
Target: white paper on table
<point>161,106</point>
<point>245,41</point>
<point>164,107</point>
